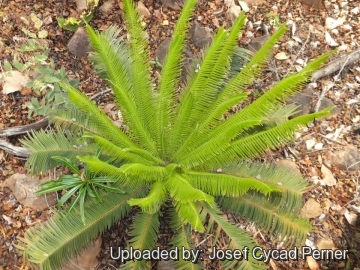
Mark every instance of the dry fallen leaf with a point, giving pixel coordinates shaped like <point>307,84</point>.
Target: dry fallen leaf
<point>273,265</point>
<point>311,209</point>
<point>9,220</point>
<point>329,40</point>
<point>351,217</point>
<point>331,23</point>
<point>244,6</point>
<point>328,177</point>
<point>234,11</point>
<point>313,265</point>
<point>281,56</point>
<point>310,143</point>
<point>318,146</point>
<point>325,243</point>
<point>13,81</point>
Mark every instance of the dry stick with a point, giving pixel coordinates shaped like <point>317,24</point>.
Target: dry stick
<point>22,151</point>
<point>334,66</point>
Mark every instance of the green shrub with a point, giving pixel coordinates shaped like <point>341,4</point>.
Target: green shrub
<point>178,147</point>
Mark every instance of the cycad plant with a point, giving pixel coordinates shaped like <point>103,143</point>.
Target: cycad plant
<point>180,149</point>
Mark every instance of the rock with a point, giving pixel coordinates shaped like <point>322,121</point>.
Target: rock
<point>81,5</point>
<point>87,259</point>
<point>13,81</point>
<point>256,43</point>
<point>171,4</point>
<point>326,102</point>
<point>144,12</point>
<point>161,51</point>
<point>160,55</point>
<point>24,187</point>
<point>303,99</point>
<point>79,43</point>
<point>346,159</point>
<point>106,8</point>
<point>311,209</point>
<point>201,36</point>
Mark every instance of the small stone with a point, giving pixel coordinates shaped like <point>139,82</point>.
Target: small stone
<point>81,5</point>
<point>106,8</point>
<point>79,43</point>
<point>161,51</point>
<point>143,10</point>
<point>201,36</point>
<point>171,4</point>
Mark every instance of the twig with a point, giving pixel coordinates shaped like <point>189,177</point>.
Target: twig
<point>14,150</point>
<point>335,141</point>
<point>323,93</point>
<point>12,131</point>
<point>336,65</point>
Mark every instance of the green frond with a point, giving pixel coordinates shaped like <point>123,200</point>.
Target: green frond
<point>182,191</point>
<point>129,172</point>
<point>190,213</point>
<point>122,154</point>
<point>291,182</point>
<point>274,97</point>
<point>120,74</point>
<point>211,75</point>
<point>99,118</point>
<point>117,50</point>
<point>235,86</point>
<point>252,145</point>
<point>45,145</point>
<point>220,184</point>
<point>195,138</point>
<point>144,233</point>
<point>138,170</point>
<point>238,237</point>
<point>239,59</point>
<point>53,243</point>
<point>154,200</point>
<point>74,120</point>
<point>170,75</point>
<point>252,70</point>
<point>139,70</point>
<point>181,239</point>
<point>268,216</point>
<point>280,114</point>
<point>216,143</point>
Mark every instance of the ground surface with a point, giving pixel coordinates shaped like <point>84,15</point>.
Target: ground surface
<point>306,40</point>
